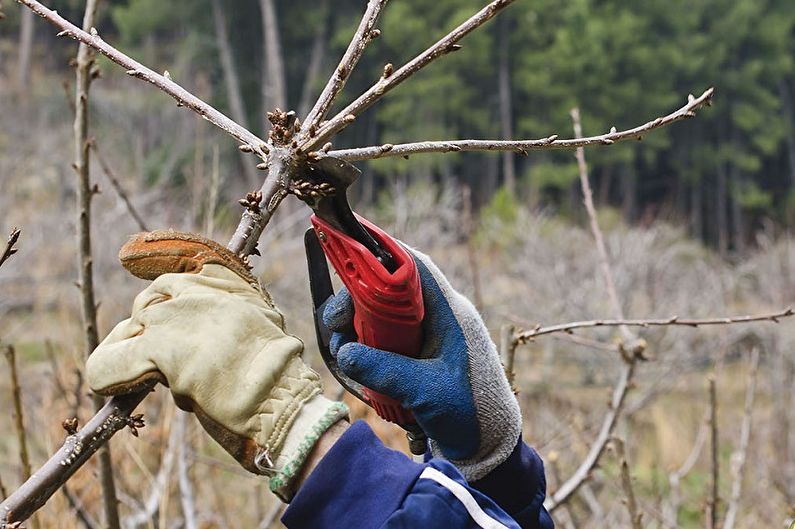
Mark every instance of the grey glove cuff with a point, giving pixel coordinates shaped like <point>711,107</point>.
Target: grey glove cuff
<point>315,417</point>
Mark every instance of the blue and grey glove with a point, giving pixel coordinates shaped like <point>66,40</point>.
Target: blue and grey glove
<point>457,389</point>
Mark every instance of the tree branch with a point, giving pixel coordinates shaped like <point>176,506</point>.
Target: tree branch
<point>10,249</point>
<point>740,456</point>
<point>391,79</point>
<point>523,146</point>
<point>139,71</point>
<point>526,336</point>
<point>713,498</point>
<point>626,484</point>
<point>365,34</point>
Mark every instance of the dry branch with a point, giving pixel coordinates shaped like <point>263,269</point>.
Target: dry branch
<point>10,248</point>
<point>740,456</point>
<point>714,463</point>
<point>114,182</point>
<point>523,146</point>
<point>391,79</point>
<point>626,485</point>
<point>19,418</point>
<point>526,336</point>
<point>139,71</point>
<point>85,194</point>
<point>631,353</point>
<point>365,33</point>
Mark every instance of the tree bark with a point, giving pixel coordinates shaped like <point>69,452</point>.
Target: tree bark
<point>85,61</point>
<point>232,81</point>
<point>506,103</point>
<point>25,50</point>
<point>274,85</point>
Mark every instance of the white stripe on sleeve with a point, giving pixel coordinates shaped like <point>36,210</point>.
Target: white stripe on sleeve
<point>462,494</point>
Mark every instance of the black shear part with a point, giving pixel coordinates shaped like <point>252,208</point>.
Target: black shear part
<point>322,290</point>
<point>333,206</point>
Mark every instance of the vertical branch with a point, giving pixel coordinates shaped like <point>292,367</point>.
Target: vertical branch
<point>740,456</point>
<point>85,192</point>
<point>19,418</point>
<point>469,228</point>
<point>626,484</point>
<point>506,104</point>
<point>365,33</point>
<point>604,261</point>
<point>508,345</point>
<point>713,499</point>
<point>186,494</point>
<point>232,81</point>
<point>25,49</point>
<point>274,89</point>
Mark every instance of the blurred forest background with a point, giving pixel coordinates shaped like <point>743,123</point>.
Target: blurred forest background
<point>698,220</point>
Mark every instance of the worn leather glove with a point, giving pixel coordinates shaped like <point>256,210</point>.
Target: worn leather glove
<point>207,330</point>
<point>457,389</point>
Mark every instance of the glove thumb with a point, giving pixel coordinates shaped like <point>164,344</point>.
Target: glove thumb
<point>389,373</point>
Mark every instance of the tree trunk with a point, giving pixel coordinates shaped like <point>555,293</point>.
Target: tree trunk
<point>721,220</point>
<point>274,89</point>
<point>85,192</point>
<point>315,60</point>
<point>789,112</point>
<point>25,50</point>
<point>506,110</point>
<point>232,82</point>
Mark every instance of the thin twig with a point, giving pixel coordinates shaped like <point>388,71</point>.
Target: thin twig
<point>526,336</point>
<point>713,495</point>
<point>508,345</point>
<point>631,353</point>
<point>19,418</point>
<point>114,182</point>
<point>391,79</point>
<point>10,248</point>
<point>583,472</point>
<point>599,239</point>
<point>74,502</point>
<point>626,484</point>
<point>740,456</point>
<point>365,34</point>
<point>675,478</point>
<point>523,146</point>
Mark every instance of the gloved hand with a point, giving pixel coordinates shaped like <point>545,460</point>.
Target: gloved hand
<point>207,330</point>
<point>457,389</point>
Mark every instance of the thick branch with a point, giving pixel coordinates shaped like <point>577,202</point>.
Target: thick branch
<point>391,79</point>
<point>10,250</point>
<point>522,146</point>
<point>365,33</point>
<point>526,336</point>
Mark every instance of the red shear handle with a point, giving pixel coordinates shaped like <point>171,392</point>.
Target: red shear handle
<point>388,308</point>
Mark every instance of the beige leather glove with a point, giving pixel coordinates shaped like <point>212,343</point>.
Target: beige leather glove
<point>214,337</point>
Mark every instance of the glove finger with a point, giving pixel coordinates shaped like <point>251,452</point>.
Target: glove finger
<point>120,366</point>
<point>338,314</point>
<point>338,339</point>
<point>392,374</point>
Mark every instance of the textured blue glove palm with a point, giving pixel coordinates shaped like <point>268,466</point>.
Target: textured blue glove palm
<point>457,388</point>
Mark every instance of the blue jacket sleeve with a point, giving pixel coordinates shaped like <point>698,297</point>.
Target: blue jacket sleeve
<point>361,483</point>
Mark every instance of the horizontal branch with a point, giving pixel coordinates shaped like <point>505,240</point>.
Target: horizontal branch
<point>138,70</point>
<point>523,146</point>
<point>10,250</point>
<point>526,336</point>
<point>391,79</point>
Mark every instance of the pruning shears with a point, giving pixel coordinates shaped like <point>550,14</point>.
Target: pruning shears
<point>380,274</point>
